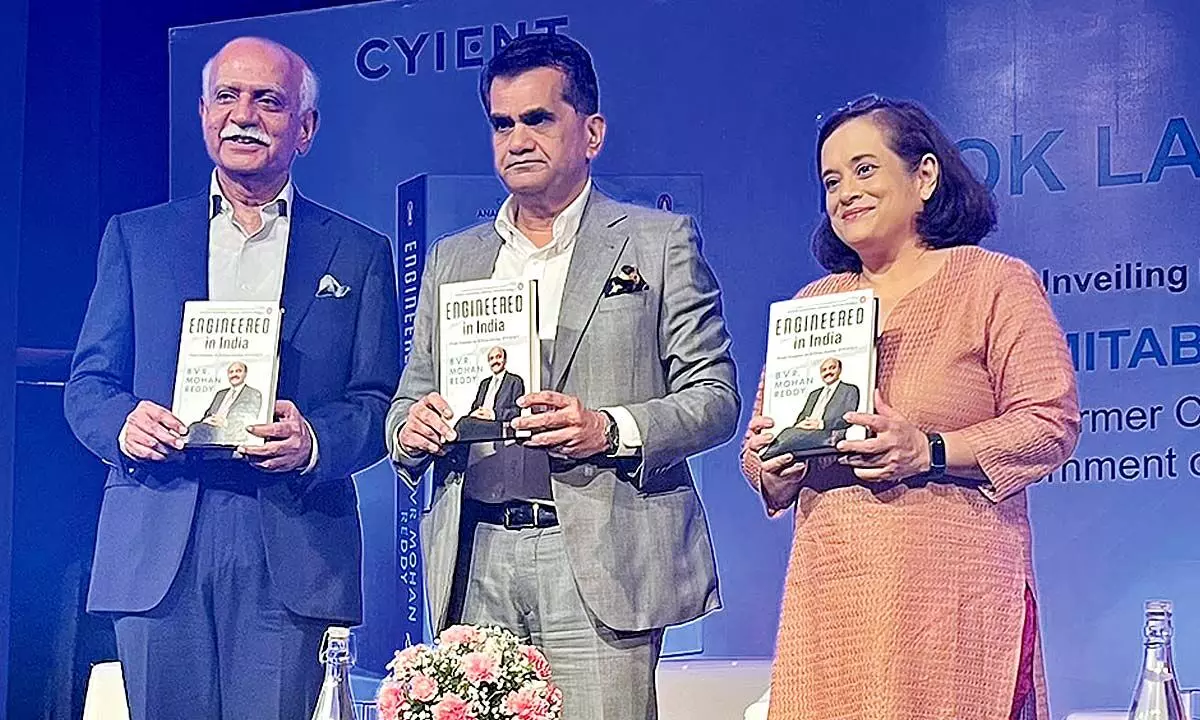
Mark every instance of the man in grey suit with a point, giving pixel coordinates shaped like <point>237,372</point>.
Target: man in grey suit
<point>589,538</point>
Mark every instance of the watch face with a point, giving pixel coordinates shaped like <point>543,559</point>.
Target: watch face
<point>610,432</point>
<point>937,452</point>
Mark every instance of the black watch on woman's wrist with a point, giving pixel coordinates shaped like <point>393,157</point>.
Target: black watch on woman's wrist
<point>937,455</point>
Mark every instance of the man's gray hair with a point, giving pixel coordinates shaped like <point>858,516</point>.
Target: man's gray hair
<point>309,87</point>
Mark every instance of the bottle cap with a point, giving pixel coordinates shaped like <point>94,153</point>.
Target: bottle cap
<point>336,632</point>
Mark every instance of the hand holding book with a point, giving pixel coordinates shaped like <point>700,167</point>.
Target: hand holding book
<point>287,443</point>
<point>780,478</point>
<point>564,426</point>
<point>151,432</point>
<point>427,427</point>
<point>897,449</point>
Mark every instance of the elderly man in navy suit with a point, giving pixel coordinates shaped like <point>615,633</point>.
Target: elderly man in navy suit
<point>222,575</point>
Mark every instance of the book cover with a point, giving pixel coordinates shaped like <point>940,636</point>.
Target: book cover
<point>821,355</point>
<point>228,367</point>
<point>490,354</point>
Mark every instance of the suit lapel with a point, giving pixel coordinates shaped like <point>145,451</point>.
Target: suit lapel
<point>309,252</point>
<point>598,247</point>
<point>811,403</point>
<point>189,257</point>
<point>218,399</point>
<point>478,261</point>
<point>242,401</point>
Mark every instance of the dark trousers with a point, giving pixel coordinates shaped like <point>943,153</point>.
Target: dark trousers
<point>220,644</point>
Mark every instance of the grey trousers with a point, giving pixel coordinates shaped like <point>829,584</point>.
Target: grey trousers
<point>521,580</point>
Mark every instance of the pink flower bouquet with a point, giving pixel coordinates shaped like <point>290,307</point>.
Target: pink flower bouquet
<point>470,673</point>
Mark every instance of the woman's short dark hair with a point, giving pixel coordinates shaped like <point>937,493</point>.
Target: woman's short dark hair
<point>539,50</point>
<point>961,211</point>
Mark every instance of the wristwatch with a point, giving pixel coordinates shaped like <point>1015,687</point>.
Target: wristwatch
<point>937,455</point>
<point>611,433</point>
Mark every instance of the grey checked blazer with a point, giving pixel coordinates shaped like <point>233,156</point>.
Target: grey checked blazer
<point>635,532</point>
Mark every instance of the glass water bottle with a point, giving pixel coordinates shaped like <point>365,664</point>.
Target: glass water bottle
<point>1157,696</point>
<point>335,701</point>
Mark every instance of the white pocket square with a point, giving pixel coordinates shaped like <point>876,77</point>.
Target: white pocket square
<point>330,287</point>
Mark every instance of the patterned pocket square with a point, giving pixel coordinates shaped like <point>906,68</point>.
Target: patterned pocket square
<point>628,280</point>
<point>329,287</point>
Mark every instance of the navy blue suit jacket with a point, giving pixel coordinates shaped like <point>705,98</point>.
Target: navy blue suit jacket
<point>505,405</point>
<point>339,362</point>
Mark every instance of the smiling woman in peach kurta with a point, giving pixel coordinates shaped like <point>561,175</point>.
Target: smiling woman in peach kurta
<point>922,590</point>
<point>910,592</point>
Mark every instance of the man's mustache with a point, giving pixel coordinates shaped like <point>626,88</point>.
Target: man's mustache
<point>251,132</point>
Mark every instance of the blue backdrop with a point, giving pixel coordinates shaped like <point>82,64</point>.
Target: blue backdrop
<point>1084,120</point>
<point>14,28</point>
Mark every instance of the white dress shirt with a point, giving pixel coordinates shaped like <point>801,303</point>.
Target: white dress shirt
<point>520,258</point>
<point>489,395</point>
<point>244,265</point>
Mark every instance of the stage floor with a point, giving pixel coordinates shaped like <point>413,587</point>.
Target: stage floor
<point>710,689</point>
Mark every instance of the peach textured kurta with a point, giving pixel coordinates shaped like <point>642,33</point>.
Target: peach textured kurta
<point>908,602</point>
